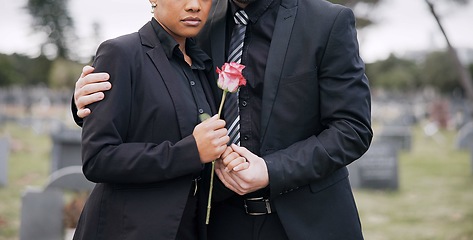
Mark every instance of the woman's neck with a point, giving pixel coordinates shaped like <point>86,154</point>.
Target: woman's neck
<point>187,58</point>
<point>180,40</point>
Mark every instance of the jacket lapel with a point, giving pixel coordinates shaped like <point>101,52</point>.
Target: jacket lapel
<point>164,68</point>
<point>277,51</point>
<point>218,25</point>
<point>217,39</point>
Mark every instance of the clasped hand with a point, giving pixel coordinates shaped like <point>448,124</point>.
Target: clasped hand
<point>241,171</point>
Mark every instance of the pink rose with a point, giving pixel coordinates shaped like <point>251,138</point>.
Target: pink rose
<point>230,77</point>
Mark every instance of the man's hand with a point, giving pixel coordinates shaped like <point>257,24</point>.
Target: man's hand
<point>89,89</point>
<point>245,181</point>
<point>211,138</point>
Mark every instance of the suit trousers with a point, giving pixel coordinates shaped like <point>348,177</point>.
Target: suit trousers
<point>188,228</point>
<point>229,221</point>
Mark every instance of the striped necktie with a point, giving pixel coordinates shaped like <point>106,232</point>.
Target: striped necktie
<point>230,109</point>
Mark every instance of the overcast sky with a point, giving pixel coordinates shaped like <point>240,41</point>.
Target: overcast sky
<point>402,26</point>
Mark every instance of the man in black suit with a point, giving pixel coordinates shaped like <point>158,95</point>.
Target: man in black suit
<point>304,116</point>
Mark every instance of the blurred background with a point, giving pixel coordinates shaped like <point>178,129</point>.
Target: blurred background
<point>415,182</point>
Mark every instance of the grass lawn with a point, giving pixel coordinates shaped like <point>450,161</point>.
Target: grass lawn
<point>434,201</point>
<point>435,198</point>
<point>28,165</point>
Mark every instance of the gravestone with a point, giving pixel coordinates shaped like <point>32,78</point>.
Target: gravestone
<point>69,178</point>
<point>464,138</point>
<point>66,149</point>
<point>4,155</point>
<point>41,215</point>
<point>377,168</point>
<point>461,112</point>
<point>401,136</point>
<point>42,210</point>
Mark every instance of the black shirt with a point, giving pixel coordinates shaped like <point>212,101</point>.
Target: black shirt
<point>259,31</point>
<point>192,76</point>
<point>262,16</point>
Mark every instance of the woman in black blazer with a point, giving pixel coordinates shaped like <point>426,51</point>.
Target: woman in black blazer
<point>144,144</point>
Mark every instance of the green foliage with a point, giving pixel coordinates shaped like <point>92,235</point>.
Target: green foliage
<point>438,71</point>
<point>64,73</point>
<point>24,71</point>
<point>52,17</point>
<point>21,70</point>
<point>393,74</point>
<point>7,72</point>
<point>36,70</point>
<point>470,69</point>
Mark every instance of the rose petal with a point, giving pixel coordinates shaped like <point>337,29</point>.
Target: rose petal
<point>230,76</point>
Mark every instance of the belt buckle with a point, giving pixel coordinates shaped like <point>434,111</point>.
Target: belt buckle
<point>258,199</point>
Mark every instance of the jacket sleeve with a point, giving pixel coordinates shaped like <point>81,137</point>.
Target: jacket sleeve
<point>76,118</point>
<point>107,154</point>
<point>344,117</point>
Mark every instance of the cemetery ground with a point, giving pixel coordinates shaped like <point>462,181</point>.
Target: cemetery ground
<point>434,199</point>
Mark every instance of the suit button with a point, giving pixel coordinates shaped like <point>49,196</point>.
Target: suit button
<point>192,83</point>
<point>244,103</point>
<point>201,110</point>
<point>246,138</point>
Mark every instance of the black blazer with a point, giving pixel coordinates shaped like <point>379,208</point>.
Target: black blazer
<point>137,144</point>
<point>315,114</point>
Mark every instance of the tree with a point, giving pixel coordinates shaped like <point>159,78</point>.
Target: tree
<point>394,74</point>
<point>52,17</point>
<point>21,70</point>
<point>464,75</point>
<point>439,72</point>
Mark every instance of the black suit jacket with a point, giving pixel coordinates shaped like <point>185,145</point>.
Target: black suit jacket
<point>138,144</point>
<point>315,114</point>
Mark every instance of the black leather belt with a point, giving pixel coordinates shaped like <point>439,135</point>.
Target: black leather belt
<point>258,206</point>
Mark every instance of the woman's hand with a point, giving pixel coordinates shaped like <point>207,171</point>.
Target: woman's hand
<point>232,161</point>
<point>211,138</point>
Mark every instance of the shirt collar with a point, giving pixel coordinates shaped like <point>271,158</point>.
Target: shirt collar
<point>253,10</point>
<point>167,41</point>
<point>200,60</point>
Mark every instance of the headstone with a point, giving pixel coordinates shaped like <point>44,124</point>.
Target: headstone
<point>377,168</point>
<point>4,155</point>
<point>42,215</point>
<point>42,210</point>
<point>464,138</point>
<point>69,178</point>
<point>66,149</point>
<point>401,136</point>
<point>461,112</point>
